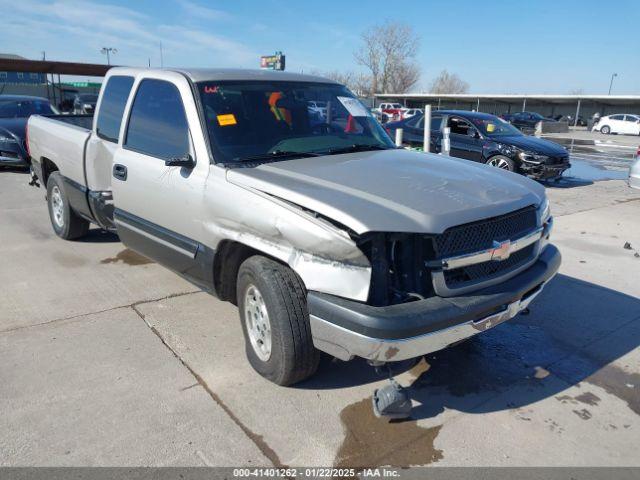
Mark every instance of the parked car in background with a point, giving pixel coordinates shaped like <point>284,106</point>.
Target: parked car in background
<point>525,121</point>
<point>411,112</point>
<point>393,110</point>
<point>85,103</point>
<point>15,110</point>
<point>634,171</point>
<point>570,119</point>
<point>623,123</point>
<point>485,138</point>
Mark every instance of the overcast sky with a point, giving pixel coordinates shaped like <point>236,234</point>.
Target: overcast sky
<point>496,46</point>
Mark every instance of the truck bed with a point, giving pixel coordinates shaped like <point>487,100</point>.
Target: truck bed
<point>60,140</point>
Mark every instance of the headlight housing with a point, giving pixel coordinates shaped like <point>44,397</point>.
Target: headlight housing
<point>544,211</point>
<point>531,157</point>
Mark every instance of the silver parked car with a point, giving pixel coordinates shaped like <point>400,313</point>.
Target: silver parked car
<point>634,172</point>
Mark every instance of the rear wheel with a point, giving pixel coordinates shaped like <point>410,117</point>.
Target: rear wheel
<point>502,162</point>
<point>65,222</point>
<point>272,302</point>
<point>605,129</point>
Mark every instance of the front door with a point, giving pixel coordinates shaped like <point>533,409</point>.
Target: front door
<point>158,207</point>
<point>465,141</point>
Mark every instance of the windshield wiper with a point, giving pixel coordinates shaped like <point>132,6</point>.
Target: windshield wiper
<point>357,147</point>
<point>275,156</point>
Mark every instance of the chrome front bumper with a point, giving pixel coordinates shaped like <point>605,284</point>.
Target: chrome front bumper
<point>376,349</point>
<point>347,329</point>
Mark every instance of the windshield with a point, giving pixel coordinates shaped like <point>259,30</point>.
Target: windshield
<point>88,98</point>
<point>495,127</point>
<point>249,121</point>
<point>24,108</point>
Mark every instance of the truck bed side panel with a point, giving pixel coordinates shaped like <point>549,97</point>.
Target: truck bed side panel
<point>63,144</point>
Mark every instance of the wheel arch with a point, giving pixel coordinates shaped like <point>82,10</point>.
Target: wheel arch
<point>228,257</point>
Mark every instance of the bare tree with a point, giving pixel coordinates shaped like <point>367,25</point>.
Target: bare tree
<point>388,51</point>
<point>447,82</point>
<point>358,82</point>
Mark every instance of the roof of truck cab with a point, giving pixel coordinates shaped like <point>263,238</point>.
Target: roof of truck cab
<point>216,74</point>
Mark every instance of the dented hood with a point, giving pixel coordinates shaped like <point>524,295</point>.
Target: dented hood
<point>393,190</point>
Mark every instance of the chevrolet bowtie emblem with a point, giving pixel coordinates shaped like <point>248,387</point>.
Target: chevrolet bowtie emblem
<point>501,250</point>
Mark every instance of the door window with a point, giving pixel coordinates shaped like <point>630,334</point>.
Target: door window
<point>631,118</point>
<point>158,123</point>
<point>459,126</point>
<point>617,117</point>
<point>114,99</point>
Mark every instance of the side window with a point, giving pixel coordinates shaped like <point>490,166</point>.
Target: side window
<point>157,123</point>
<point>436,123</point>
<point>631,118</point>
<point>616,117</point>
<point>114,99</point>
<point>459,126</point>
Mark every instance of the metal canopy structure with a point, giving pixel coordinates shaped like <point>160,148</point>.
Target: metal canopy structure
<point>14,63</point>
<point>50,67</point>
<point>500,103</point>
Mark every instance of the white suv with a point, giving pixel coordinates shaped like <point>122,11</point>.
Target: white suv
<point>619,123</point>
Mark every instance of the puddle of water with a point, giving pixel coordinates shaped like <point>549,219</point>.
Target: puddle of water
<point>374,442</point>
<point>625,386</point>
<point>128,257</point>
<point>582,170</point>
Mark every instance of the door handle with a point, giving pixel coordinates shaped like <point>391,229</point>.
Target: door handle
<point>120,172</point>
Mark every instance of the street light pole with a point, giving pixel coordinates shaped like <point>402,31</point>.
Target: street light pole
<point>107,51</point>
<point>611,83</point>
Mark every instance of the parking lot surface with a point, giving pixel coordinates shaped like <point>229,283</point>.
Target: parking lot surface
<point>108,359</point>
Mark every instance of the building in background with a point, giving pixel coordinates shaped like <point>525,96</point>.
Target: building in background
<point>20,78</point>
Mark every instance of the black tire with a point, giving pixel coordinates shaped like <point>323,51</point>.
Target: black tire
<point>605,129</point>
<point>69,225</point>
<point>500,161</point>
<point>293,357</point>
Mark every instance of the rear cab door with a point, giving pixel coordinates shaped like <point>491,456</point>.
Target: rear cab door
<point>103,143</point>
<point>158,207</point>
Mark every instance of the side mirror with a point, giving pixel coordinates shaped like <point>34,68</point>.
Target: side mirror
<point>185,161</point>
<point>471,133</point>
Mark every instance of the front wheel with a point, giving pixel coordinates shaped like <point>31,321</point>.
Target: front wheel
<point>65,222</point>
<point>275,321</point>
<point>502,162</point>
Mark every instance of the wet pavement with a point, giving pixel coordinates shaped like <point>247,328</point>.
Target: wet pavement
<point>596,160</point>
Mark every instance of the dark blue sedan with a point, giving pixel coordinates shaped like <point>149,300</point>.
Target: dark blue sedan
<point>485,138</point>
<point>15,110</point>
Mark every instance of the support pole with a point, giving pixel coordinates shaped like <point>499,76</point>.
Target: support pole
<point>478,106</point>
<point>524,104</point>
<point>446,142</point>
<point>427,129</point>
<point>575,120</point>
<point>398,137</point>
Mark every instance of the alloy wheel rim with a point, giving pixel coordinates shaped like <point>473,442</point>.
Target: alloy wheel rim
<point>57,206</point>
<point>500,163</point>
<point>256,319</point>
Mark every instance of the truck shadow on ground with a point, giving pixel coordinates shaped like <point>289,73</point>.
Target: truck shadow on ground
<point>97,235</point>
<point>574,332</point>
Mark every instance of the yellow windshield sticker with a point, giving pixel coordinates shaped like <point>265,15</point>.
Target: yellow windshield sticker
<point>490,127</point>
<point>227,119</point>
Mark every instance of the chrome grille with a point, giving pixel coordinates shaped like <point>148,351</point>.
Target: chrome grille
<point>480,235</point>
<point>487,270</point>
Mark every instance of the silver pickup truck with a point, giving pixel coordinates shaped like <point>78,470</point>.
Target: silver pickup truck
<point>324,234</point>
